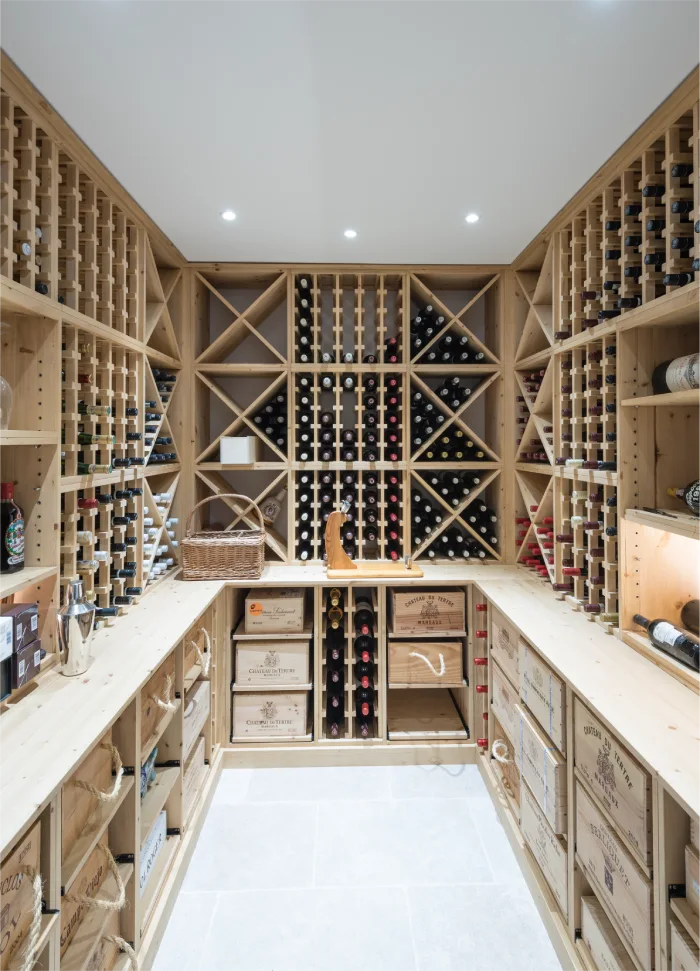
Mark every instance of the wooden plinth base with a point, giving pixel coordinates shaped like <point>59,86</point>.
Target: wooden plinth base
<point>369,570</point>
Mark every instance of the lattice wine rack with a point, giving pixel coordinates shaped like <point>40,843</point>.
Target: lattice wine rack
<point>329,371</point>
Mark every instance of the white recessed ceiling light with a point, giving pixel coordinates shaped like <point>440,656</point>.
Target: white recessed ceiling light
<point>350,233</point>
<point>472,217</point>
<point>228,214</point>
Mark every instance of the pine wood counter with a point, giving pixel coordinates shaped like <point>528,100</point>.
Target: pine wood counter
<point>651,712</point>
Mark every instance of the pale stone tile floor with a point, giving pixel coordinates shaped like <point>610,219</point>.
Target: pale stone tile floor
<point>354,869</point>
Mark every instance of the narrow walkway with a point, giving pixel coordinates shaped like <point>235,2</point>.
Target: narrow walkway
<point>354,869</point>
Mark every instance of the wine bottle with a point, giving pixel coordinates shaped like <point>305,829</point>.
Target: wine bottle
<point>679,374</point>
<point>690,616</point>
<point>682,646</point>
<point>690,495</point>
<point>11,531</point>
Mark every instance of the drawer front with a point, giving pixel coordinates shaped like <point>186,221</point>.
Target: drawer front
<point>17,895</point>
<point>195,770</point>
<point>427,611</point>
<point>504,645</point>
<point>601,938</point>
<point>156,687</point>
<point>87,882</point>
<point>544,770</point>
<point>272,662</point>
<point>77,804</point>
<point>197,707</point>
<point>684,951</point>
<point>692,877</point>
<point>615,778</point>
<point>269,715</point>
<point>504,700</point>
<point>615,877</point>
<point>426,662</point>
<point>544,693</point>
<point>544,845</point>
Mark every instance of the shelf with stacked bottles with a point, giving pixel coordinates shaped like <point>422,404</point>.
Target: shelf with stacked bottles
<point>366,384</point>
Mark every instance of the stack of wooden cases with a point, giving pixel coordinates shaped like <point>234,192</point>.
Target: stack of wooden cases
<point>247,352</point>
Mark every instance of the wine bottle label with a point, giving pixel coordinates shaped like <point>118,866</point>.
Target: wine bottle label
<point>667,634</point>
<point>14,542</point>
<point>683,374</point>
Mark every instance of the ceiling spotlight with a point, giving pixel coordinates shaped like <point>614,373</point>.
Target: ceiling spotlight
<point>229,215</point>
<point>472,217</point>
<point>350,233</point>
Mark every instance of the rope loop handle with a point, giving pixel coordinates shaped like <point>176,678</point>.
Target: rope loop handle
<point>125,947</point>
<point>118,770</point>
<point>166,705</point>
<point>30,954</point>
<point>205,658</point>
<point>438,674</point>
<point>90,902</point>
<point>225,495</point>
<point>499,750</point>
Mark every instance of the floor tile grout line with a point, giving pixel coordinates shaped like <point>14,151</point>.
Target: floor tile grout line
<point>410,927</point>
<point>207,935</point>
<point>313,866</point>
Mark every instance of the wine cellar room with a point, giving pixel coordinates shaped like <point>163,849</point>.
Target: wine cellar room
<point>349,486</point>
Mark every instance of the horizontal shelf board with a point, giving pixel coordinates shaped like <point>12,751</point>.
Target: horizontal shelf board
<point>14,436</point>
<point>395,685</point>
<point>682,524</point>
<point>156,734</point>
<point>464,369</point>
<point>153,355</point>
<point>641,643</point>
<point>425,635</point>
<point>691,397</point>
<point>14,582</point>
<point>673,309</point>
<point>157,877</point>
<point>91,929</point>
<point>70,483</point>
<point>430,714</point>
<point>91,832</point>
<point>224,369</point>
<point>587,337</point>
<point>157,796</point>
<point>687,916</point>
<point>150,470</point>
<point>539,468</point>
<point>532,360</point>
<point>271,739</point>
<point>240,635</point>
<point>264,688</point>
<point>586,475</point>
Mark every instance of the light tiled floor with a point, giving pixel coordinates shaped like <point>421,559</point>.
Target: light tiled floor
<point>354,869</point>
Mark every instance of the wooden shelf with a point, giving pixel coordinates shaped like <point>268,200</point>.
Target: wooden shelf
<point>691,397</point>
<point>687,916</point>
<point>89,933</point>
<point>641,643</point>
<point>430,714</point>
<point>12,436</point>
<point>157,796</point>
<point>266,688</point>
<point>435,635</point>
<point>393,685</point>
<point>280,635</point>
<point>91,832</point>
<point>679,523</point>
<point>158,731</point>
<point>673,309</point>
<point>156,879</point>
<point>14,582</point>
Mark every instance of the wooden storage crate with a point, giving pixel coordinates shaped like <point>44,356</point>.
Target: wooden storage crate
<point>77,804</point>
<point>692,877</point>
<point>685,955</point>
<point>86,883</point>
<point>193,777</point>
<point>546,847</point>
<point>504,701</point>
<point>17,894</point>
<point>278,714</point>
<point>160,687</point>
<point>99,953</point>
<point>544,693</point>
<point>276,662</point>
<point>601,938</point>
<point>615,778</point>
<point>197,708</point>
<point>504,645</point>
<point>544,770</point>
<point>616,878</point>
<point>275,611</point>
<point>427,611</point>
<point>433,663</point>
<point>508,765</point>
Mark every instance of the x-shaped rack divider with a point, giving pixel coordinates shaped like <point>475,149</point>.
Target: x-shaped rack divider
<point>455,513</point>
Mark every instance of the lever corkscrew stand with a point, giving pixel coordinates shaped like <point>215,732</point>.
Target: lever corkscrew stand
<point>341,567</point>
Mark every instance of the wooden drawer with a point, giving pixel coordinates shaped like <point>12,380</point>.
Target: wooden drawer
<point>547,849</point>
<point>504,645</point>
<point>504,701</point>
<point>197,707</point>
<point>434,663</point>
<point>544,693</point>
<point>427,611</point>
<point>77,805</point>
<point>508,770</point>
<point>195,771</point>
<point>276,662</point>
<point>276,714</point>
<point>692,877</point>
<point>601,938</point>
<point>616,878</point>
<point>87,882</point>
<point>544,770</point>
<point>615,777</point>
<point>17,894</point>
<point>156,688</point>
<point>684,951</point>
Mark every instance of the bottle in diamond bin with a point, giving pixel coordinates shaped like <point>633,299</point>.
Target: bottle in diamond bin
<point>12,529</point>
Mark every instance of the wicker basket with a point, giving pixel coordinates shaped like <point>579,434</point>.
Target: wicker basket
<point>224,555</point>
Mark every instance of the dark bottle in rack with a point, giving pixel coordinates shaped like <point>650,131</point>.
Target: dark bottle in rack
<point>335,714</point>
<point>681,645</point>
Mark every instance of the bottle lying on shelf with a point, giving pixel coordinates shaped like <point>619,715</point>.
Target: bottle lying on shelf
<point>679,374</point>
<point>678,644</point>
<point>690,495</point>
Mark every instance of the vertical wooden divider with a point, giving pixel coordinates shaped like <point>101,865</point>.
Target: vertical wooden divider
<point>8,257</point>
<point>25,209</point>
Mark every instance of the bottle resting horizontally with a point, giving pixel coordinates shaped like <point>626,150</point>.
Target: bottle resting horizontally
<point>678,644</point>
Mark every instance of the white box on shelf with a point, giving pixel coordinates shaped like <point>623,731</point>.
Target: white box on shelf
<point>240,451</point>
<point>151,848</point>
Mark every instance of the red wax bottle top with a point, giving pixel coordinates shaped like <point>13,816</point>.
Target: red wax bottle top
<point>365,657</point>
<point>482,689</point>
<point>482,742</point>
<point>364,629</point>
<point>481,661</point>
<point>534,508</point>
<point>88,503</point>
<point>485,716</point>
<point>481,633</point>
<point>481,607</point>
<point>365,709</point>
<point>364,681</point>
<point>7,491</point>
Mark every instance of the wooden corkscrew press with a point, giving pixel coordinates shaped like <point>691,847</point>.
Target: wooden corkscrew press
<point>341,567</point>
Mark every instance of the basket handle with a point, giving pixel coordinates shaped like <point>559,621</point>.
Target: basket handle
<point>223,495</point>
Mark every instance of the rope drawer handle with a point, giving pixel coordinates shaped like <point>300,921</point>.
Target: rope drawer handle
<point>205,658</point>
<point>118,770</point>
<point>438,674</point>
<point>30,955</point>
<point>125,947</point>
<point>499,750</point>
<point>166,705</point>
<point>90,902</point>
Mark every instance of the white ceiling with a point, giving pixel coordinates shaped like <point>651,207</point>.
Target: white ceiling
<point>392,118</point>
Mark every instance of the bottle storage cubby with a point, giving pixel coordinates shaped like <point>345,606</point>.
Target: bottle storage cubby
<point>454,515</point>
<point>351,394</point>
